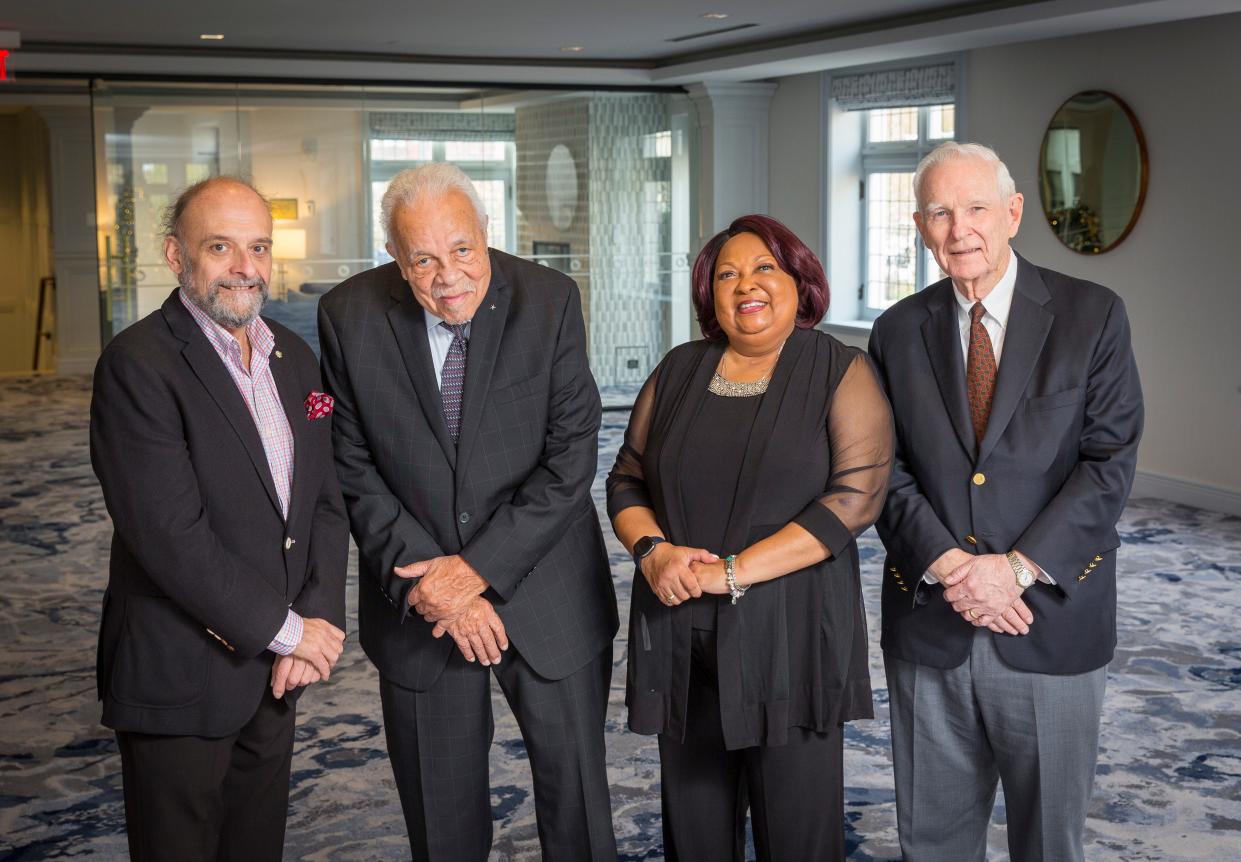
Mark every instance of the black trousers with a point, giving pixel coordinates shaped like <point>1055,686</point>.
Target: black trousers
<point>438,742</point>
<point>794,792</point>
<point>195,799</point>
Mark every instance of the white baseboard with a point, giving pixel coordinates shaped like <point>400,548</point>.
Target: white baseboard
<point>1186,493</point>
<point>76,365</point>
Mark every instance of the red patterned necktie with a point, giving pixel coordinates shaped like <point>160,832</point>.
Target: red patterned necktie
<point>452,378</point>
<point>979,373</point>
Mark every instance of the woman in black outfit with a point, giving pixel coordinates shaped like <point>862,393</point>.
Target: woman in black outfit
<point>751,461</point>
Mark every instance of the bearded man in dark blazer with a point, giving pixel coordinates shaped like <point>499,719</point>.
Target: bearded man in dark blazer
<point>226,589</point>
<point>1018,412</point>
<point>466,434</point>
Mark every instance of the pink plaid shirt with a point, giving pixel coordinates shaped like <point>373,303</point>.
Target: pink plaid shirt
<point>258,390</point>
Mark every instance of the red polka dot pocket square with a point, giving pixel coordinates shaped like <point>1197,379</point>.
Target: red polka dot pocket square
<point>318,405</point>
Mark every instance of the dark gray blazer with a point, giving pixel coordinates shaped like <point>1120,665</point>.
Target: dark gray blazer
<point>512,497</point>
<point>1050,478</point>
<point>204,567</point>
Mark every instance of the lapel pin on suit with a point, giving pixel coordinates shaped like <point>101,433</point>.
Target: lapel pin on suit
<point>279,355</point>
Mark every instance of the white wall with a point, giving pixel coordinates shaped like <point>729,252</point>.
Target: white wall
<point>73,229</point>
<point>1178,271</point>
<point>795,151</point>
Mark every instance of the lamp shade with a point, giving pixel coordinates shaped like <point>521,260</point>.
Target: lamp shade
<point>288,243</point>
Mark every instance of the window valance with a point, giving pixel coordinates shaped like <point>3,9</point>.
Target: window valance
<point>442,126</point>
<point>896,88</point>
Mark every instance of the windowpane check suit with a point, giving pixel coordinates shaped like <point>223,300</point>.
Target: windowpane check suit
<point>512,497</point>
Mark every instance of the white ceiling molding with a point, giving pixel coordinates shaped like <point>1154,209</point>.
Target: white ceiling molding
<point>1052,19</point>
<point>205,66</point>
<point>1027,22</point>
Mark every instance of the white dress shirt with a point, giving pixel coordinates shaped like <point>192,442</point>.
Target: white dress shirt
<point>440,339</point>
<point>995,320</point>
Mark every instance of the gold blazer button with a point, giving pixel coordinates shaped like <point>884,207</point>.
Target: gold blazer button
<point>979,479</point>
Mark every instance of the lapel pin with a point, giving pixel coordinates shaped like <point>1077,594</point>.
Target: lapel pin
<point>493,308</point>
<point>279,355</point>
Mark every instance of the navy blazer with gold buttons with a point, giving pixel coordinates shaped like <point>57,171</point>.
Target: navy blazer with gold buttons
<point>1049,478</point>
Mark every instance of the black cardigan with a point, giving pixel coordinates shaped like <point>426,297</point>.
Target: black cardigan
<point>792,652</point>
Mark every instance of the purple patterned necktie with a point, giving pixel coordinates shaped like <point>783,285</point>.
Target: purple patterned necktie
<point>452,378</point>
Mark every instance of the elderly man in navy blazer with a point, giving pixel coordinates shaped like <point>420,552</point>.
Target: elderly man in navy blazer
<point>226,588</point>
<point>1018,412</point>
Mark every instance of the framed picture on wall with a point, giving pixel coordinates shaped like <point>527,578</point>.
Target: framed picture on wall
<point>553,254</point>
<point>283,208</point>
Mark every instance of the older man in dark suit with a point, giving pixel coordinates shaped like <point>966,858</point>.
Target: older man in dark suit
<point>211,440</point>
<point>1018,413</point>
<point>465,433</point>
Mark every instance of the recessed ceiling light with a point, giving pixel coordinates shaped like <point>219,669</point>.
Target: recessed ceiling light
<point>573,49</point>
<point>211,37</point>
<point>714,16</point>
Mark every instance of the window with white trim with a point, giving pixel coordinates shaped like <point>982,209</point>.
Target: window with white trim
<point>894,262</point>
<point>879,122</point>
<point>490,165</point>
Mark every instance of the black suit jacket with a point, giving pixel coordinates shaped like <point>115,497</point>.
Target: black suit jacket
<point>204,566</point>
<point>1050,477</point>
<point>512,496</point>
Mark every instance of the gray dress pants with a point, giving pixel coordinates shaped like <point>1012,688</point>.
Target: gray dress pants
<point>956,732</point>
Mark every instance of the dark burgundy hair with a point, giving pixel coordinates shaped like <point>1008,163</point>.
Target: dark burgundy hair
<point>790,253</point>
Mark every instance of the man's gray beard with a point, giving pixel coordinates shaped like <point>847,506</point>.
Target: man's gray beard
<point>211,299</point>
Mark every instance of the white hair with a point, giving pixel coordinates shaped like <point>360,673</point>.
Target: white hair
<point>953,150</point>
<point>432,180</point>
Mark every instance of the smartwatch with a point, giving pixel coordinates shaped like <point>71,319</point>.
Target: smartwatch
<point>643,547</point>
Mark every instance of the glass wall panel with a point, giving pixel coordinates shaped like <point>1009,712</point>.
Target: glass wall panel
<point>596,185</point>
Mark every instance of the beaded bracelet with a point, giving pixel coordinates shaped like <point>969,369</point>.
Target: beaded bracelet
<point>730,577</point>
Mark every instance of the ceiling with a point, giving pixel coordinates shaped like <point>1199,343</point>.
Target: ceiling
<point>625,44</point>
<point>634,31</point>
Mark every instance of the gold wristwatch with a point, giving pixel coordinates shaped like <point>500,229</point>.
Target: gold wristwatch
<point>1025,577</point>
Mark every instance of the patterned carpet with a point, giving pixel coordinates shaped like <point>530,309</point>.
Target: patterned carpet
<point>1169,776</point>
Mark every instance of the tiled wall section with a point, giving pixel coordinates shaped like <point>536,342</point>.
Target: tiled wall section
<point>620,232</point>
<point>539,129</point>
<point>630,236</point>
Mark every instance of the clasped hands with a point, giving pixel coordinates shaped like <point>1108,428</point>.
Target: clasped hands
<point>676,573</point>
<point>449,594</point>
<point>311,661</point>
<point>983,590</point>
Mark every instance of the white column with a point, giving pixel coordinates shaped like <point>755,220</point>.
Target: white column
<point>681,323</point>
<point>73,228</point>
<point>733,121</point>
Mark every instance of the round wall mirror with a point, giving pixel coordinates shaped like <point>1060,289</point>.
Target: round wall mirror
<point>561,186</point>
<point>1092,172</point>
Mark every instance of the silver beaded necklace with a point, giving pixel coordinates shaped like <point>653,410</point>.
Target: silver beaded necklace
<point>721,385</point>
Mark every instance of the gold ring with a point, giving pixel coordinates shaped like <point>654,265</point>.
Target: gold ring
<point>973,614</point>
<point>670,598</point>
